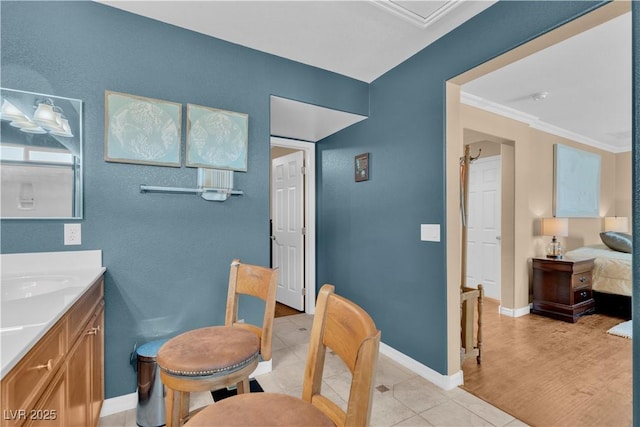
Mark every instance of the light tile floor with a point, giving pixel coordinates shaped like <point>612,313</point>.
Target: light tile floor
<point>401,397</point>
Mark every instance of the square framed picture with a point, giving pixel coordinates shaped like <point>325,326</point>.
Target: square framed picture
<point>576,182</point>
<point>216,138</point>
<point>362,167</point>
<point>142,130</point>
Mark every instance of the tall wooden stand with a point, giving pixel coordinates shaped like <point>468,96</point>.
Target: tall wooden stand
<point>470,298</point>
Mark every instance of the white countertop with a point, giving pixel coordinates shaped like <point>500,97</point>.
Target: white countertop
<point>24,321</point>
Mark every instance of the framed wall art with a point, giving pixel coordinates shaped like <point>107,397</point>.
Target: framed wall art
<point>576,183</point>
<point>216,138</point>
<point>362,167</point>
<point>142,130</point>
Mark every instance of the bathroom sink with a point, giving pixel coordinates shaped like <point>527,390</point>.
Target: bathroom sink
<point>15,288</point>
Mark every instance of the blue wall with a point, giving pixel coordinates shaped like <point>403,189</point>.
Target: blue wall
<point>167,256</point>
<point>370,231</point>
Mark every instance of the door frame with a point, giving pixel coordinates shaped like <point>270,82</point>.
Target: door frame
<point>309,150</point>
<point>454,150</point>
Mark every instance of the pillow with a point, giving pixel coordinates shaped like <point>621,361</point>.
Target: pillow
<point>620,242</point>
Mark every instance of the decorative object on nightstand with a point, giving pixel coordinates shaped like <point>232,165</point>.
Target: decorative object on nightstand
<point>616,223</point>
<point>555,227</point>
<point>562,288</point>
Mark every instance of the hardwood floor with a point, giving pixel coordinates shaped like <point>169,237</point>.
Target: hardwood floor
<point>284,310</point>
<point>547,372</point>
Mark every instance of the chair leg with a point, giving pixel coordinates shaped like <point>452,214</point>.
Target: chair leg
<point>184,406</point>
<point>177,407</point>
<point>243,386</point>
<point>172,409</point>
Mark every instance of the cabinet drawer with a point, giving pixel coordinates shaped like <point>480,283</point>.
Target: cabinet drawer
<point>25,383</point>
<point>83,309</point>
<point>581,280</point>
<point>581,295</point>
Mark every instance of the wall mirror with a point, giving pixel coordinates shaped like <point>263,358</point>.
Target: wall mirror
<point>40,155</point>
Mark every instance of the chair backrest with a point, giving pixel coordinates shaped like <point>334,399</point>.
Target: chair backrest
<point>348,331</point>
<point>260,282</point>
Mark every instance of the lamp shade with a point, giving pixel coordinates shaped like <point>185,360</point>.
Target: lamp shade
<point>616,223</point>
<point>8,111</point>
<point>45,116</point>
<point>555,227</point>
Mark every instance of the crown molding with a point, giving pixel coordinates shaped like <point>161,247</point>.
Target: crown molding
<point>414,18</point>
<point>535,122</point>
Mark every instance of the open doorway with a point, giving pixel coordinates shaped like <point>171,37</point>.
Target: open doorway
<point>527,158</point>
<point>485,225</point>
<point>292,219</point>
<point>532,186</point>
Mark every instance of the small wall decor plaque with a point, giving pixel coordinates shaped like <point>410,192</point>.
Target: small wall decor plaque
<point>142,130</point>
<point>216,138</point>
<point>362,167</point>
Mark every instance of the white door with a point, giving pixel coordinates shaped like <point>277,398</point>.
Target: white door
<point>483,231</point>
<point>287,235</point>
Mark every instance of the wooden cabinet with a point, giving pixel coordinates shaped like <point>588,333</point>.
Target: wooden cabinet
<point>60,381</point>
<point>85,362</point>
<point>562,288</point>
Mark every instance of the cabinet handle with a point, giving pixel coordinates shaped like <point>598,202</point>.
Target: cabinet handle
<point>48,366</point>
<point>583,279</point>
<point>94,331</point>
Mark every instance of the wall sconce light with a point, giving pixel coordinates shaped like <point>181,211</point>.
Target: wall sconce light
<point>555,227</point>
<point>47,118</point>
<point>616,223</point>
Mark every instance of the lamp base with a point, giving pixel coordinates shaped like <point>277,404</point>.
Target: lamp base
<point>554,250</point>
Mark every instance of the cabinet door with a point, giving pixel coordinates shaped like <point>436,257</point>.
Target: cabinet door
<point>97,365</point>
<point>79,381</point>
<point>50,411</point>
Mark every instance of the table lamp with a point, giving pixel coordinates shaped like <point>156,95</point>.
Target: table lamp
<point>555,227</point>
<point>616,223</point>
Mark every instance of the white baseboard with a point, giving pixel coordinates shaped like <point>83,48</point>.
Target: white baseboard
<point>515,312</point>
<point>119,404</point>
<point>446,382</point>
<point>130,401</point>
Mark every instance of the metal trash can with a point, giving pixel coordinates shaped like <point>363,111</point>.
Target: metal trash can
<point>151,392</point>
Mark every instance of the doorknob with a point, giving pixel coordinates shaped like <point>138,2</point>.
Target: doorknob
<point>498,238</point>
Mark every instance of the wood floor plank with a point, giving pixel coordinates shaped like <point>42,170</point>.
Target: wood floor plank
<point>547,372</point>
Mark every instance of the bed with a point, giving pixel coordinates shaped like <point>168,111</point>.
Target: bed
<point>611,280</point>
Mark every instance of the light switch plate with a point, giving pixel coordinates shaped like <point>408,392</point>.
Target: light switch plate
<point>430,232</point>
<point>73,234</point>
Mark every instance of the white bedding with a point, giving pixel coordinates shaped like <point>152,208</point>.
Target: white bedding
<point>611,271</point>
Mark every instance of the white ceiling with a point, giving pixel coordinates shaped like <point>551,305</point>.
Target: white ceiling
<point>588,83</point>
<point>298,120</point>
<point>364,39</point>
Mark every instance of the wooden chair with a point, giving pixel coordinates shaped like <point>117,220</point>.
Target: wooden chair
<point>339,325</point>
<point>219,356</point>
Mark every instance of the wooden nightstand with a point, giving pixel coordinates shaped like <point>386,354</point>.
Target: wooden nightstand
<point>562,288</point>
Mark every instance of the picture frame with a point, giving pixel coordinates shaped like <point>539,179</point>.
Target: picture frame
<point>142,130</point>
<point>576,183</point>
<point>361,165</point>
<point>216,138</point>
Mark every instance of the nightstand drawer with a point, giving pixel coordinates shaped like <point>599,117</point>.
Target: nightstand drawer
<point>581,295</point>
<point>581,280</point>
